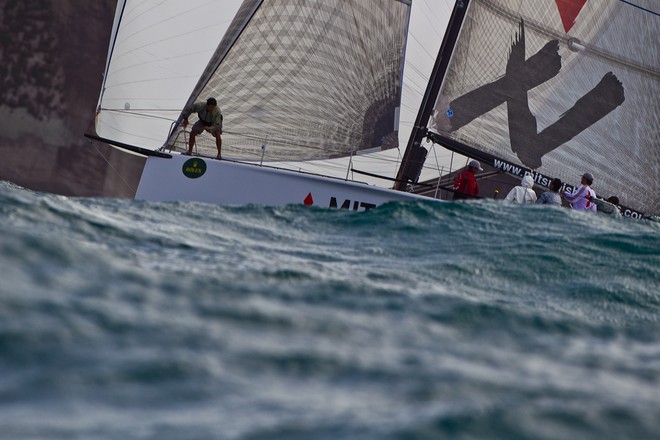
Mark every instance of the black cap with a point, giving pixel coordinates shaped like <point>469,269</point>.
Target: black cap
<point>211,101</point>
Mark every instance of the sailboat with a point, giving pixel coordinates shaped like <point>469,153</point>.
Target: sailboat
<point>545,87</point>
<point>300,84</point>
<point>552,88</point>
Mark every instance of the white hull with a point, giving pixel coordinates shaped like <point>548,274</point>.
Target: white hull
<point>232,183</point>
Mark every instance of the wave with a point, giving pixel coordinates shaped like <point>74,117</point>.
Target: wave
<point>466,318</point>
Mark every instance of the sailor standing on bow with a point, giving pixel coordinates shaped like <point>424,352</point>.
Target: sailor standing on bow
<point>210,119</point>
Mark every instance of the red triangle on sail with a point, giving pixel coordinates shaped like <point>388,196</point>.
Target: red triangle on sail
<point>309,200</point>
<point>569,10</point>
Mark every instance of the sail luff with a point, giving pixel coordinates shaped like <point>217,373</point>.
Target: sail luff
<point>397,115</point>
<point>119,13</point>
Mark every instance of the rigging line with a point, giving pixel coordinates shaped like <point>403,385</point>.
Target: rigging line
<point>144,115</point>
<point>133,134</point>
<point>419,69</point>
<point>360,42</point>
<point>130,110</point>
<point>374,157</point>
<point>657,14</point>
<point>134,190</point>
<point>539,27</point>
<point>147,62</point>
<point>150,10</point>
<point>432,19</point>
<point>422,46</point>
<point>285,142</point>
<point>273,141</point>
<point>218,58</point>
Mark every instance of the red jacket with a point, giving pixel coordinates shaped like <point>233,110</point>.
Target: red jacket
<point>465,183</point>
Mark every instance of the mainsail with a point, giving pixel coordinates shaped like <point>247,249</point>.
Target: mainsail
<point>561,88</point>
<point>309,79</point>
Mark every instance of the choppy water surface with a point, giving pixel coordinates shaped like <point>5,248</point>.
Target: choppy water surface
<point>123,319</point>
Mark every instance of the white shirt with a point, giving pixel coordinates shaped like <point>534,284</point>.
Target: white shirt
<point>579,199</point>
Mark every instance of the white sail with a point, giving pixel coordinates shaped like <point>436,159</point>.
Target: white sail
<point>157,51</point>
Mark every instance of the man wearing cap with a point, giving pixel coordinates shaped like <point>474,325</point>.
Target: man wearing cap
<point>210,119</point>
<point>580,199</point>
<point>465,184</point>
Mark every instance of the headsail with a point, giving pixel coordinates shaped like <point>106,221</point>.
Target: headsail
<point>157,50</point>
<point>309,79</point>
<point>560,87</point>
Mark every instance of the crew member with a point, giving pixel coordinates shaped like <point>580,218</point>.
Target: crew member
<point>210,120</point>
<point>465,184</point>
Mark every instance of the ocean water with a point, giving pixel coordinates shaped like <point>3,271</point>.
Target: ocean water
<point>478,320</point>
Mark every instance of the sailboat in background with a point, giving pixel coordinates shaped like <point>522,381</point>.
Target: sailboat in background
<point>552,88</point>
<point>318,85</point>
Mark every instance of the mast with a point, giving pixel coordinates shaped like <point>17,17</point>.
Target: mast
<point>413,158</point>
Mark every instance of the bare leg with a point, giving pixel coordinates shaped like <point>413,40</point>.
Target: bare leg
<point>191,142</point>
<point>218,144</point>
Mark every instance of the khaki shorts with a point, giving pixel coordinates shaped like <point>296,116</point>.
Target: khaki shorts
<point>199,127</point>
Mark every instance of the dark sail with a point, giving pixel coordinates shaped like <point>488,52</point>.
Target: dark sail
<point>562,88</point>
